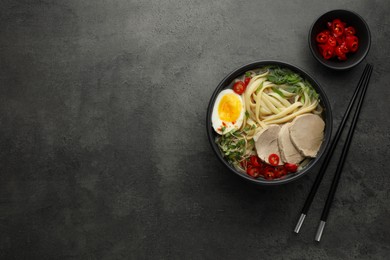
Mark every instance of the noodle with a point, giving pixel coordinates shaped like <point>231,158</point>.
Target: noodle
<point>266,105</point>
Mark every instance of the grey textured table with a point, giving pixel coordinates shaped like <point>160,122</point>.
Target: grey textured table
<point>103,148</point>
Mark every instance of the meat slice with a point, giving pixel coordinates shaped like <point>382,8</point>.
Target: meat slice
<point>307,133</point>
<point>288,152</point>
<point>266,142</point>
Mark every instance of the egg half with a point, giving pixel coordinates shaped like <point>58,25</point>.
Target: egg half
<point>228,112</point>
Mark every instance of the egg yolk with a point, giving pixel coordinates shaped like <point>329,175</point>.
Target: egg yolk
<point>229,108</point>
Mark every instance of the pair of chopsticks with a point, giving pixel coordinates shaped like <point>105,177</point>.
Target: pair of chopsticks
<point>363,84</point>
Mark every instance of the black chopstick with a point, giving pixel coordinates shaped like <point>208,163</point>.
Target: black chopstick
<point>329,153</point>
<point>341,162</point>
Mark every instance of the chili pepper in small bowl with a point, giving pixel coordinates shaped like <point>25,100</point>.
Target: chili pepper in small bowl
<point>339,39</point>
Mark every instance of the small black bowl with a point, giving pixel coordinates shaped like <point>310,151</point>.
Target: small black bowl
<point>326,114</point>
<point>351,19</point>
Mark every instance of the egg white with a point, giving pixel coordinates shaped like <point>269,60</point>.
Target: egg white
<point>218,123</point>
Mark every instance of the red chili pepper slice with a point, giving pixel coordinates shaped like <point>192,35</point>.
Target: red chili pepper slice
<point>352,42</point>
<point>268,173</point>
<point>344,47</point>
<point>337,27</point>
<point>327,51</point>
<point>253,171</point>
<point>247,80</point>
<point>239,87</point>
<point>350,30</point>
<point>291,167</point>
<point>322,37</point>
<point>339,53</point>
<point>279,171</point>
<point>273,159</point>
<point>255,161</point>
<point>332,41</point>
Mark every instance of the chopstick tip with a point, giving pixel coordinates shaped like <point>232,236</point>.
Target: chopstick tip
<point>320,230</point>
<point>300,222</point>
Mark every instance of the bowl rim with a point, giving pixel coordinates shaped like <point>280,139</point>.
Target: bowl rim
<point>323,99</point>
<point>346,67</point>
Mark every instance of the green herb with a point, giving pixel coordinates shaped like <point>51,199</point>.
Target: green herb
<point>246,114</point>
<point>248,74</point>
<point>223,129</point>
<point>307,88</point>
<point>280,76</point>
<point>310,90</point>
<point>296,84</point>
<point>293,89</point>
<point>241,142</point>
<point>277,91</point>
<point>232,146</point>
<point>259,87</point>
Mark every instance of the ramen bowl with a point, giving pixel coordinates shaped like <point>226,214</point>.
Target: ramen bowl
<point>326,115</point>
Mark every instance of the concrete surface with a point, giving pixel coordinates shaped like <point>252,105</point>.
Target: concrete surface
<point>104,153</point>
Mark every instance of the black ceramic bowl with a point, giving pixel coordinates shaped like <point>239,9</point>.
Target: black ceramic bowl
<point>351,19</point>
<point>327,115</point>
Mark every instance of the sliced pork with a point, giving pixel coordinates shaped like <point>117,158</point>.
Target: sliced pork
<point>266,143</point>
<point>288,152</point>
<point>307,133</point>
